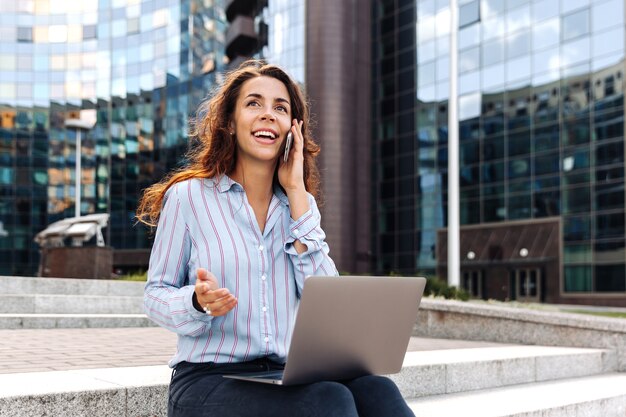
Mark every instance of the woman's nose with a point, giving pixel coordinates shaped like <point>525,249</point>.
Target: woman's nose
<point>268,116</point>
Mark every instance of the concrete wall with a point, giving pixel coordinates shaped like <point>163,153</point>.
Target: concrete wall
<point>93,262</point>
<point>480,321</point>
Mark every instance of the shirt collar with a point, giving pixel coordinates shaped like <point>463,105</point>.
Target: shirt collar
<point>224,184</point>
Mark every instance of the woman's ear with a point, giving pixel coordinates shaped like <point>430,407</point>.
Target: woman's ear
<point>231,128</point>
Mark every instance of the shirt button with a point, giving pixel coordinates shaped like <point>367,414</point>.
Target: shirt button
<point>264,308</point>
<point>296,231</point>
<point>267,339</point>
<point>261,247</point>
<point>263,277</point>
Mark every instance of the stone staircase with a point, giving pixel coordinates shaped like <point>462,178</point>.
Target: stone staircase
<point>512,381</point>
<point>497,380</point>
<point>44,303</point>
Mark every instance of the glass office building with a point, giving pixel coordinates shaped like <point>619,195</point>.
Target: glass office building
<point>541,130</point>
<point>137,69</point>
<point>286,36</point>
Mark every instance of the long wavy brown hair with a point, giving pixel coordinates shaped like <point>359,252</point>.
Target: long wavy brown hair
<point>214,152</point>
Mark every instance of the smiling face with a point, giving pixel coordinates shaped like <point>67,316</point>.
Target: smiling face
<point>262,118</point>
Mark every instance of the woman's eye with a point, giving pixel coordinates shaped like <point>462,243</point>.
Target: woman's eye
<point>281,108</point>
<point>253,103</point>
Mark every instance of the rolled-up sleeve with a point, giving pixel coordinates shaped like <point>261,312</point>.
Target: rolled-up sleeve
<point>315,259</point>
<point>168,296</point>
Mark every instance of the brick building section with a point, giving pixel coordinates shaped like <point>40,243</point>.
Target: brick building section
<point>338,86</point>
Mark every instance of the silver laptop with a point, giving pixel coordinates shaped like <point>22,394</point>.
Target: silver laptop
<point>348,327</point>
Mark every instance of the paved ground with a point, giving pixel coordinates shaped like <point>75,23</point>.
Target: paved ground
<point>65,349</point>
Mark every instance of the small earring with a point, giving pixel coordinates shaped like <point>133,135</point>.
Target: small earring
<point>232,133</point>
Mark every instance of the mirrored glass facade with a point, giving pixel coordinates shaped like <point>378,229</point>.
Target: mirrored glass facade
<point>541,109</point>
<point>286,36</point>
<point>136,68</point>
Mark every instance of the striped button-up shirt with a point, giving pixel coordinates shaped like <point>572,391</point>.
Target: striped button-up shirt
<point>207,223</point>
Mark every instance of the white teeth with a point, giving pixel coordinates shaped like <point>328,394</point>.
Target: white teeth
<point>264,133</point>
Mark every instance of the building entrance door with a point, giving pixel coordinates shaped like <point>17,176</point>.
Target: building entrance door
<point>473,282</point>
<point>526,284</point>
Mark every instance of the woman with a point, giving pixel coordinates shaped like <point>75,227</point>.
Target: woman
<point>238,230</point>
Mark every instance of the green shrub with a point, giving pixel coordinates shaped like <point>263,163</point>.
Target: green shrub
<point>134,276</point>
<point>439,288</point>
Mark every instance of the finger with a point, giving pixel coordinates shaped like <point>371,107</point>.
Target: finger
<point>206,277</point>
<point>203,274</point>
<point>215,295</point>
<point>299,139</point>
<point>223,306</point>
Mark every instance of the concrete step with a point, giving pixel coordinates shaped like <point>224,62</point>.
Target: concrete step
<point>73,321</point>
<point>591,396</point>
<point>66,286</point>
<point>69,304</point>
<point>459,370</point>
<point>433,375</point>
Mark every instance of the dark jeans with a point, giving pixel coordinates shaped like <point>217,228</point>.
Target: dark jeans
<point>200,390</point>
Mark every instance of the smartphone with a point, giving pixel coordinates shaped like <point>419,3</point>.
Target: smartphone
<point>287,146</point>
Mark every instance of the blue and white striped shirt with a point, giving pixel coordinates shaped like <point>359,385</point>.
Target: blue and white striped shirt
<point>208,223</point>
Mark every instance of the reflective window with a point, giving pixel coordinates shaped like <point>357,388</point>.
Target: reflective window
<point>492,52</point>
<point>492,7</point>
<point>518,69</point>
<point>469,36</point>
<point>545,9</point>
<point>511,4</point>
<point>493,209</point>
<point>469,82</point>
<point>547,163</point>
<point>610,225</point>
<point>518,44</point>
<point>24,34</point>
<point>469,106</point>
<point>609,251</point>
<point>492,28</point>
<point>569,5</point>
<point>576,228</point>
<point>575,24</point>
<point>577,253</point>
<point>89,32</point>
<point>517,18</point>
<point>576,131</point>
<point>610,153</point>
<point>577,278</point>
<point>576,200</point>
<point>609,42</point>
<point>493,149</point>
<point>576,52</point>
<point>546,34</point>
<point>607,14</point>
<point>519,206</point>
<point>519,143</point>
<point>493,172</point>
<point>609,196</point>
<point>518,168</point>
<point>426,74</point>
<point>492,77</point>
<point>610,278</point>
<point>469,13</point>
<point>546,204</point>
<point>469,59</point>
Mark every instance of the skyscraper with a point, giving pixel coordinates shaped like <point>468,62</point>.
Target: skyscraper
<point>138,69</point>
<point>541,145</point>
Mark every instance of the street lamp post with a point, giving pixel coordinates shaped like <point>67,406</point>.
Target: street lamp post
<point>454,264</point>
<point>79,125</point>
